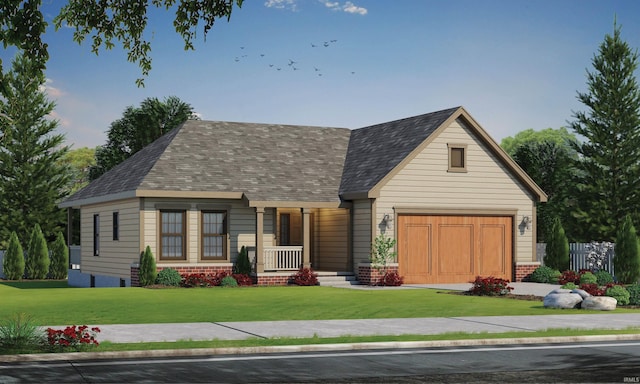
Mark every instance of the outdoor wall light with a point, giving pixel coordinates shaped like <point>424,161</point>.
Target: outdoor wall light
<point>526,221</point>
<point>386,220</point>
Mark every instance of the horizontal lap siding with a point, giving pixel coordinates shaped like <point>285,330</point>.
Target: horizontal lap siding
<point>361,231</point>
<point>242,225</point>
<point>116,256</point>
<point>487,185</point>
<point>332,229</point>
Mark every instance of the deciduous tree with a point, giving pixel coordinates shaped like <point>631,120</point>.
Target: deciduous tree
<point>138,127</point>
<point>105,23</point>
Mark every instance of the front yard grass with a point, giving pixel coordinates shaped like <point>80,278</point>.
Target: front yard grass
<point>53,304</point>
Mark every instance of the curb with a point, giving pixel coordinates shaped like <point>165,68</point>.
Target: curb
<point>307,348</point>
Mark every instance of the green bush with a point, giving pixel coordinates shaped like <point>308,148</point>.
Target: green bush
<point>627,258</point>
<point>557,249</point>
<point>19,333</point>
<point>59,258</point>
<point>147,273</point>
<point>634,294</point>
<point>13,263</point>
<point>588,278</point>
<point>169,277</point>
<point>619,293</point>
<point>545,274</point>
<point>243,265</point>
<point>603,277</point>
<point>228,281</point>
<point>569,286</point>
<point>37,263</point>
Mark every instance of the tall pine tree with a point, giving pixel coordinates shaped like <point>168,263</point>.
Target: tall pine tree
<point>608,173</point>
<point>32,179</point>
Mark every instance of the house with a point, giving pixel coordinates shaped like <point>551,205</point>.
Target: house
<point>456,203</point>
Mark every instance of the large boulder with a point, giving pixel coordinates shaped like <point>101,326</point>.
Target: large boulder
<point>564,300</point>
<point>582,293</point>
<point>599,303</point>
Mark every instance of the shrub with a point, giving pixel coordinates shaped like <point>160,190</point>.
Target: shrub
<point>78,338</point>
<point>228,281</point>
<point>588,278</point>
<point>391,279</point>
<point>634,294</point>
<point>13,263</point>
<point>490,286</point>
<point>243,279</point>
<point>619,293</point>
<point>627,258</point>
<point>569,276</point>
<point>569,285</point>
<point>557,249</point>
<point>305,277</point>
<point>603,277</point>
<point>243,265</point>
<point>37,263</point>
<point>169,277</point>
<point>59,258</point>
<point>197,280</point>
<point>592,289</point>
<point>545,274</point>
<point>147,273</point>
<point>20,332</point>
<point>381,252</point>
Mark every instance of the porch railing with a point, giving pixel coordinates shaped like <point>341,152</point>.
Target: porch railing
<point>283,258</point>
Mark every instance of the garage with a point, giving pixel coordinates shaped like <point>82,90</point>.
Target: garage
<point>454,248</point>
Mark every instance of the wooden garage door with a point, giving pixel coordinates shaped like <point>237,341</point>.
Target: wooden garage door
<point>454,249</point>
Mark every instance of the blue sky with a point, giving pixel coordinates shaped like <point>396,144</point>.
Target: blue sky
<point>513,64</point>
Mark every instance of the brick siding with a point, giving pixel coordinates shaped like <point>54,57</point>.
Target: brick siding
<point>524,271</point>
<point>370,275</point>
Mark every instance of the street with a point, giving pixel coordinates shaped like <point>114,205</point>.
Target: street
<point>615,362</point>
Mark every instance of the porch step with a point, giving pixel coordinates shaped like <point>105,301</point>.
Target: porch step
<point>337,279</point>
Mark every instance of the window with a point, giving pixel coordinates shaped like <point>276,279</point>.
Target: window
<point>172,235</point>
<point>457,158</point>
<point>96,235</point>
<point>214,235</point>
<point>285,229</point>
<point>116,226</point>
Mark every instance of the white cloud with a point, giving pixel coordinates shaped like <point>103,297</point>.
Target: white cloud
<point>348,7</point>
<point>281,4</point>
<point>51,91</point>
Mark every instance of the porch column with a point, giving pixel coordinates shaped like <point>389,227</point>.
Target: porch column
<point>306,237</point>
<point>259,239</point>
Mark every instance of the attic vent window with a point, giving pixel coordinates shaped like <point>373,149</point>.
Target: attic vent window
<point>457,158</point>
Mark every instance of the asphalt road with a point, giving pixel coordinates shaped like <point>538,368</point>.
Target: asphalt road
<point>610,362</point>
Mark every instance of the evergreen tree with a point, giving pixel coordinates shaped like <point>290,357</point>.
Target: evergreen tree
<point>59,258</point>
<point>13,262</point>
<point>243,265</point>
<point>557,249</point>
<point>148,272</point>
<point>32,179</point>
<point>37,264</point>
<point>608,176</point>
<point>626,261</point>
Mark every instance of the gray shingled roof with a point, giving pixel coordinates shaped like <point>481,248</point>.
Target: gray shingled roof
<point>266,162</point>
<point>376,150</point>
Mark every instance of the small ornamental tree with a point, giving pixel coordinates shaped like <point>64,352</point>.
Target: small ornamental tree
<point>13,263</point>
<point>557,249</point>
<point>381,252</point>
<point>148,272</point>
<point>37,263</point>
<point>243,265</point>
<point>627,258</point>
<point>59,258</point>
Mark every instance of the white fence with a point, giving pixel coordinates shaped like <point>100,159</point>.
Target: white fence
<point>282,258</point>
<point>578,257</point>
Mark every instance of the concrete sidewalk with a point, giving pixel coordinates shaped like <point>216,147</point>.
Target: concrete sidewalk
<point>133,333</point>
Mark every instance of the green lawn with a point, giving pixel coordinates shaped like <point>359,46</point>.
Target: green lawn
<point>52,303</point>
